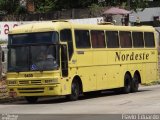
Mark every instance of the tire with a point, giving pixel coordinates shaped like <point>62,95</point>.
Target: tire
<point>32,99</point>
<point>127,84</point>
<point>135,83</point>
<point>75,91</point>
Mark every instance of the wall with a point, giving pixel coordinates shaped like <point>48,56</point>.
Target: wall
<point>146,15</point>
<point>5,27</point>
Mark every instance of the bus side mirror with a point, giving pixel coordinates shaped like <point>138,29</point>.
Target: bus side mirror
<point>64,60</point>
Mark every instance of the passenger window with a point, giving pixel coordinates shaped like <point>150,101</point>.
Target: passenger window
<point>82,39</point>
<point>149,39</point>
<point>112,39</point>
<point>125,39</point>
<point>98,39</point>
<point>138,39</point>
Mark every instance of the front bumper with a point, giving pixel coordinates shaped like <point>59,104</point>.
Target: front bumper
<point>35,90</point>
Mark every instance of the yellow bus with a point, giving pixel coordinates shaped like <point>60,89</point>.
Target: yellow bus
<point>59,58</point>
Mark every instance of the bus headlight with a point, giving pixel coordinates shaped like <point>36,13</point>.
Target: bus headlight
<point>12,82</point>
<point>51,81</point>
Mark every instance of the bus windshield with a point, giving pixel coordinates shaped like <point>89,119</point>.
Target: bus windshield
<point>33,58</point>
<point>33,38</point>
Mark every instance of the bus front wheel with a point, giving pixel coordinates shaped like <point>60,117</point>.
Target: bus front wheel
<point>75,91</point>
<point>31,99</point>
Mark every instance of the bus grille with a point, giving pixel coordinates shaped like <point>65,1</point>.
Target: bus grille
<point>31,90</point>
<point>26,82</point>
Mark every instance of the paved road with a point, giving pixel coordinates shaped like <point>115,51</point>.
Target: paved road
<point>147,100</point>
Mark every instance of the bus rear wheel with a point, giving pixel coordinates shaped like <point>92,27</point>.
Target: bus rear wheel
<point>135,83</point>
<point>127,84</point>
<point>31,99</point>
<point>75,91</point>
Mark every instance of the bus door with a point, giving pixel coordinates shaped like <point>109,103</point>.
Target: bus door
<point>64,61</point>
<point>64,70</point>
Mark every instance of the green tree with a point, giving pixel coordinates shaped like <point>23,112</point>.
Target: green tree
<point>44,5</point>
<point>135,4</point>
<point>95,9</point>
<point>9,6</point>
<point>50,5</point>
<point>68,4</point>
<point>129,4</point>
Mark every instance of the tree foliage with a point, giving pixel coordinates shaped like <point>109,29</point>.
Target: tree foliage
<point>13,7</point>
<point>139,4</point>
<point>48,5</point>
<point>8,6</point>
<point>44,5</point>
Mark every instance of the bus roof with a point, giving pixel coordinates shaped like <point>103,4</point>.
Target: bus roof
<point>58,25</point>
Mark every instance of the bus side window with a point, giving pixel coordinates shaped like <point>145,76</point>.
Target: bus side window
<point>98,39</point>
<point>66,36</point>
<point>82,38</point>
<point>149,39</point>
<point>125,39</point>
<point>112,39</point>
<point>138,39</point>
